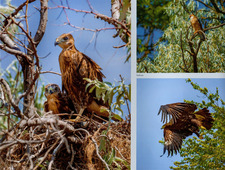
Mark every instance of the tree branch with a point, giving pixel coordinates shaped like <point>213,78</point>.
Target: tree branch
<point>7,90</point>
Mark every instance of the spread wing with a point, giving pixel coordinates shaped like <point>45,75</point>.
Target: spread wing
<point>175,110</point>
<point>173,141</point>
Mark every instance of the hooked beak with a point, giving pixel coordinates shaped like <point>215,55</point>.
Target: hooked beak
<point>57,42</point>
<point>50,91</point>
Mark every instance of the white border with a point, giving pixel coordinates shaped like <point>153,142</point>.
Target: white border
<point>180,75</point>
<point>133,83</point>
<point>135,76</point>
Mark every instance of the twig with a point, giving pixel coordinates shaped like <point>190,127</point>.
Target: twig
<point>55,152</point>
<point>97,152</point>
<point>11,101</point>
<point>72,157</point>
<point>182,54</point>
<point>47,120</point>
<point>46,154</point>
<point>101,16</point>
<point>210,28</point>
<point>17,11</point>
<point>29,157</point>
<point>30,87</point>
<point>206,5</point>
<point>43,72</point>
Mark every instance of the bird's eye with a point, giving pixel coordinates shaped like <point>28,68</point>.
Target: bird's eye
<point>65,38</point>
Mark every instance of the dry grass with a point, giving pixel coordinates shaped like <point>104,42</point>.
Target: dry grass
<point>51,143</point>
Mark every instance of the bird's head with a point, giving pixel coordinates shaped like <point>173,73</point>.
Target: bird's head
<point>192,16</point>
<point>64,41</point>
<point>52,89</point>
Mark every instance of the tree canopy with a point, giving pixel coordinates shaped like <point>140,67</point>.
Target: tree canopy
<point>180,50</point>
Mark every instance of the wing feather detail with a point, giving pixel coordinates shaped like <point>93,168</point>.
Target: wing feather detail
<point>173,141</point>
<point>175,110</point>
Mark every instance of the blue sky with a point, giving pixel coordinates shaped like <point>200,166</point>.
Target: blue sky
<point>151,94</point>
<point>100,49</point>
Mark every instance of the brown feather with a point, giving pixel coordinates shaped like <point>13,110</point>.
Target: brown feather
<point>197,26</point>
<point>74,67</point>
<point>56,101</point>
<point>175,110</point>
<point>186,123</point>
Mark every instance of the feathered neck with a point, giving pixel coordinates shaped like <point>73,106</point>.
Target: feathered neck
<point>72,47</point>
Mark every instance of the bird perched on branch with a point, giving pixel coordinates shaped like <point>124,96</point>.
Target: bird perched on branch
<point>196,25</point>
<point>184,122</point>
<point>56,101</point>
<point>74,67</point>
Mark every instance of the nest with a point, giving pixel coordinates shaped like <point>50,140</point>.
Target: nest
<point>51,143</point>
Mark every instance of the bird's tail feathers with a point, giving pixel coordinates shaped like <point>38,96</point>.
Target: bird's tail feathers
<point>205,118</point>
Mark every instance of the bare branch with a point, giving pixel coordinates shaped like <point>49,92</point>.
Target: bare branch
<point>44,72</point>
<point>210,28</point>
<point>7,90</point>
<point>47,120</point>
<point>32,84</point>
<point>97,15</point>
<point>182,54</point>
<point>17,53</point>
<point>216,7</point>
<point>208,6</point>
<point>46,154</point>
<point>17,11</point>
<point>97,152</point>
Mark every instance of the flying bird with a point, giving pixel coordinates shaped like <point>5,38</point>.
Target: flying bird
<point>56,101</point>
<point>183,122</point>
<point>74,67</point>
<point>196,25</point>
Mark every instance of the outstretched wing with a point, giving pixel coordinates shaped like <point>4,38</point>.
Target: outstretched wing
<point>175,110</point>
<point>173,141</point>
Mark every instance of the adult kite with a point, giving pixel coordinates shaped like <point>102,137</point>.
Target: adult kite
<point>196,25</point>
<point>74,67</point>
<point>56,101</point>
<point>183,122</point>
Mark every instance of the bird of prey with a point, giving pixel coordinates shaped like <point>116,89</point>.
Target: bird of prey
<point>56,101</point>
<point>183,122</point>
<point>74,67</point>
<point>196,25</point>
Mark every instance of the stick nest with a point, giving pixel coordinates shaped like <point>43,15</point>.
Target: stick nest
<point>49,142</point>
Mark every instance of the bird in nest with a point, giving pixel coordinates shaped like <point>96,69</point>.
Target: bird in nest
<point>74,67</point>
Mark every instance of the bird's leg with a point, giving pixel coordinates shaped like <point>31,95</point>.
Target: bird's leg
<point>79,110</point>
<point>100,110</point>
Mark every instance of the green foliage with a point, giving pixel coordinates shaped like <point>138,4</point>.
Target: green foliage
<point>208,152</point>
<point>14,77</point>
<point>125,16</point>
<point>107,91</point>
<point>169,58</point>
<point>151,16</point>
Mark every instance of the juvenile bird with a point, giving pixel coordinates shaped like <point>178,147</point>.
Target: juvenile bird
<point>56,101</point>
